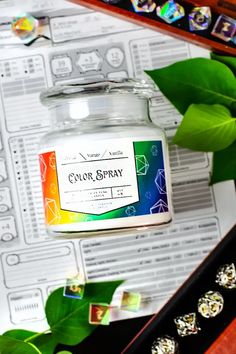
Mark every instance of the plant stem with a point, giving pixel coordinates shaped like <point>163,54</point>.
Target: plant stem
<point>37,335</point>
<point>37,349</point>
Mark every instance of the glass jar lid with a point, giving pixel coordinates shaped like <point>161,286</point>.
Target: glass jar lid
<point>76,89</point>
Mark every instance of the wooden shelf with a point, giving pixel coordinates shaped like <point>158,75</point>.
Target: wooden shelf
<point>179,29</point>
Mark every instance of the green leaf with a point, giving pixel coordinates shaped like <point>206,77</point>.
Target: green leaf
<point>19,334</point>
<point>68,318</point>
<point>227,60</point>
<point>11,345</point>
<point>196,80</point>
<point>224,164</point>
<point>46,343</point>
<point>206,128</point>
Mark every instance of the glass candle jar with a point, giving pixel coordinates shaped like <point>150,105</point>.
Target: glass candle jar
<point>104,164</point>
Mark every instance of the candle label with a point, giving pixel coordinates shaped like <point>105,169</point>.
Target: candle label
<point>103,180</point>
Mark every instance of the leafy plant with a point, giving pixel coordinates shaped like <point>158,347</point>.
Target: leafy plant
<point>204,92</point>
<point>67,318</point>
